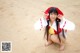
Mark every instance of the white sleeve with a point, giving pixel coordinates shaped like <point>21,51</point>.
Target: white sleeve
<point>68,26</point>
<point>41,23</point>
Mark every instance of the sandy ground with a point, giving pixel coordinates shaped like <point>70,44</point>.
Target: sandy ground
<point>17,18</point>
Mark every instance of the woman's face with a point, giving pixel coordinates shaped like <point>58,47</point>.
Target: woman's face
<point>53,16</point>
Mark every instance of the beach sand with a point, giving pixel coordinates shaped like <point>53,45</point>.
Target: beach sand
<point>17,18</point>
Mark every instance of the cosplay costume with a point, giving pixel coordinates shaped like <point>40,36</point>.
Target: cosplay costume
<point>64,23</point>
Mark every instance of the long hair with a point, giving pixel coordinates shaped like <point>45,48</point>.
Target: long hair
<point>57,26</point>
<point>52,10</point>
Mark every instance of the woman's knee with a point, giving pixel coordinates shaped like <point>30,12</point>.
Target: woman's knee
<point>54,38</point>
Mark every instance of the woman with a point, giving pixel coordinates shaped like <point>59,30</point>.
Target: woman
<point>54,36</point>
<point>55,26</point>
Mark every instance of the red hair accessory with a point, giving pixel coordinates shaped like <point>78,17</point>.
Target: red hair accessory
<point>60,13</point>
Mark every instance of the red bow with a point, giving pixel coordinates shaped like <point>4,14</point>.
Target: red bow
<point>60,13</point>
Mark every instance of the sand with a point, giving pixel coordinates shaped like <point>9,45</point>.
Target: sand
<point>17,18</point>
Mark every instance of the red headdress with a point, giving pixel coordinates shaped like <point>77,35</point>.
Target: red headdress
<point>60,13</point>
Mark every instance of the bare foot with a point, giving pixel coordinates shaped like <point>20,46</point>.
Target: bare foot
<point>61,48</point>
<point>48,43</point>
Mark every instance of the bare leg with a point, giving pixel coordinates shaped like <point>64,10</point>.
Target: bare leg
<point>55,39</point>
<point>63,40</point>
<point>49,42</point>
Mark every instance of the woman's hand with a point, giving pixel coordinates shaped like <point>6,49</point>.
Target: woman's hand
<point>60,16</point>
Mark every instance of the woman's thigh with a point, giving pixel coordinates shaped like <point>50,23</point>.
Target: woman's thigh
<point>62,37</point>
<point>54,38</point>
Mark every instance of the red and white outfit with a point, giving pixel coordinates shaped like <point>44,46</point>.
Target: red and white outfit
<point>64,24</point>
